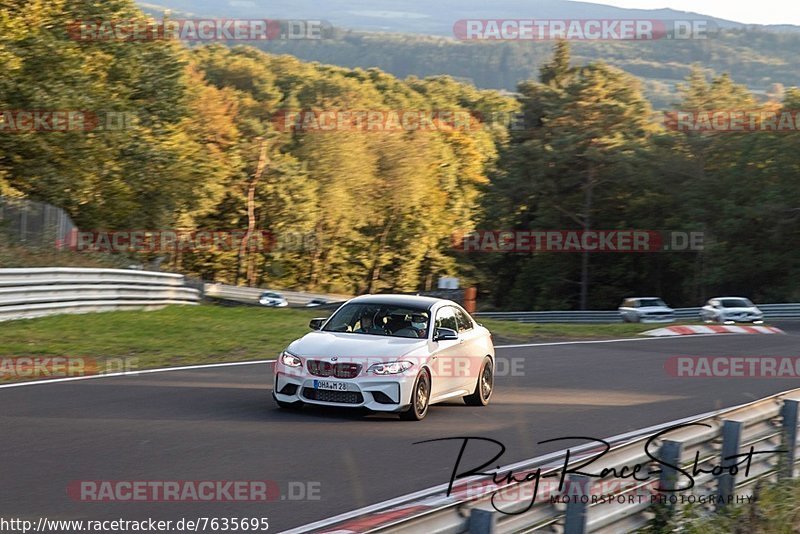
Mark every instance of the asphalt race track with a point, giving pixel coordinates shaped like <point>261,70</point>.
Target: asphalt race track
<point>221,424</point>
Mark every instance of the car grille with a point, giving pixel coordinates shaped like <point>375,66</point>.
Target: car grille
<point>342,397</point>
<point>337,370</point>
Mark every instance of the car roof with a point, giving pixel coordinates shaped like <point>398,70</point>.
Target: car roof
<point>643,298</point>
<point>399,300</point>
<point>720,298</point>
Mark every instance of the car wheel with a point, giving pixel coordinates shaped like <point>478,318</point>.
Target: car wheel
<point>483,387</point>
<point>420,398</point>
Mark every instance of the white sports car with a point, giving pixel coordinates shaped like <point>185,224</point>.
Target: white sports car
<point>730,310</point>
<point>388,353</point>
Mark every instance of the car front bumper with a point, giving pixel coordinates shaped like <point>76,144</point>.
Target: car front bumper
<point>751,319</point>
<point>657,319</point>
<point>390,393</point>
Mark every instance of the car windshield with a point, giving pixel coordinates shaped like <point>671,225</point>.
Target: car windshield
<point>736,303</point>
<point>651,302</point>
<point>380,320</point>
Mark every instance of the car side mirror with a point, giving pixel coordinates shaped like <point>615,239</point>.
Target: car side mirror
<point>316,324</point>
<point>445,334</point>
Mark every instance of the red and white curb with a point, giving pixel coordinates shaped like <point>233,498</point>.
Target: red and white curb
<point>689,330</point>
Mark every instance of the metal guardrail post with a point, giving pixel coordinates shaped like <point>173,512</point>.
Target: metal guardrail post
<point>789,413</point>
<point>670,453</point>
<point>731,439</point>
<point>577,511</point>
<point>482,521</point>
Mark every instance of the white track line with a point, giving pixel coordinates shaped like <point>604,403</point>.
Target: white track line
<point>133,373</point>
<point>231,364</point>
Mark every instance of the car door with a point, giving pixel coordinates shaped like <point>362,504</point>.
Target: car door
<point>448,363</point>
<point>472,348</point>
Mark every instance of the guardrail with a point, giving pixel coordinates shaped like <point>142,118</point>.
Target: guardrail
<point>251,294</point>
<point>614,503</point>
<point>37,292</point>
<point>771,312</point>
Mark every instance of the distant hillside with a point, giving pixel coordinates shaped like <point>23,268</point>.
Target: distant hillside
<point>419,16</point>
<point>758,56</point>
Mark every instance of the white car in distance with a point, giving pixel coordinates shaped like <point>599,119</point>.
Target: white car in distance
<point>273,300</point>
<point>388,353</point>
<point>730,310</point>
<point>646,310</point>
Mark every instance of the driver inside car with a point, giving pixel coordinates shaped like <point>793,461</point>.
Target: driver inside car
<point>367,325</point>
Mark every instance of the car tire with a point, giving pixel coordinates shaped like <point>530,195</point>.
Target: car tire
<point>484,386</point>
<point>420,398</point>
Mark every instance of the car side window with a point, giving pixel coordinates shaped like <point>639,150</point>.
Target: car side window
<point>463,320</point>
<point>446,318</point>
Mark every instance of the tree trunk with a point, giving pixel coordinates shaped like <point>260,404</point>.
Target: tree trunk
<point>587,224</point>
<point>375,272</point>
<point>244,253</point>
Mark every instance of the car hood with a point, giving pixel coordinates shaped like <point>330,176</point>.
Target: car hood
<point>651,309</point>
<point>326,344</point>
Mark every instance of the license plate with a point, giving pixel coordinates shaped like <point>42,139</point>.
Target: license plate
<point>327,384</point>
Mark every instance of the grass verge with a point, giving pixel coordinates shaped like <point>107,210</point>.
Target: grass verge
<point>186,335</point>
<point>173,336</point>
<point>774,509</point>
<point>514,332</point>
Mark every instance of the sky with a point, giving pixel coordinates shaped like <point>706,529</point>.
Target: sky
<point>746,11</point>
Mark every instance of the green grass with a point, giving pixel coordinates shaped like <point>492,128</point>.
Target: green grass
<point>510,331</point>
<point>185,335</point>
<point>173,336</point>
<point>775,509</point>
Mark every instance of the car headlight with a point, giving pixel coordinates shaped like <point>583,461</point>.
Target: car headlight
<point>290,360</point>
<point>391,368</point>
